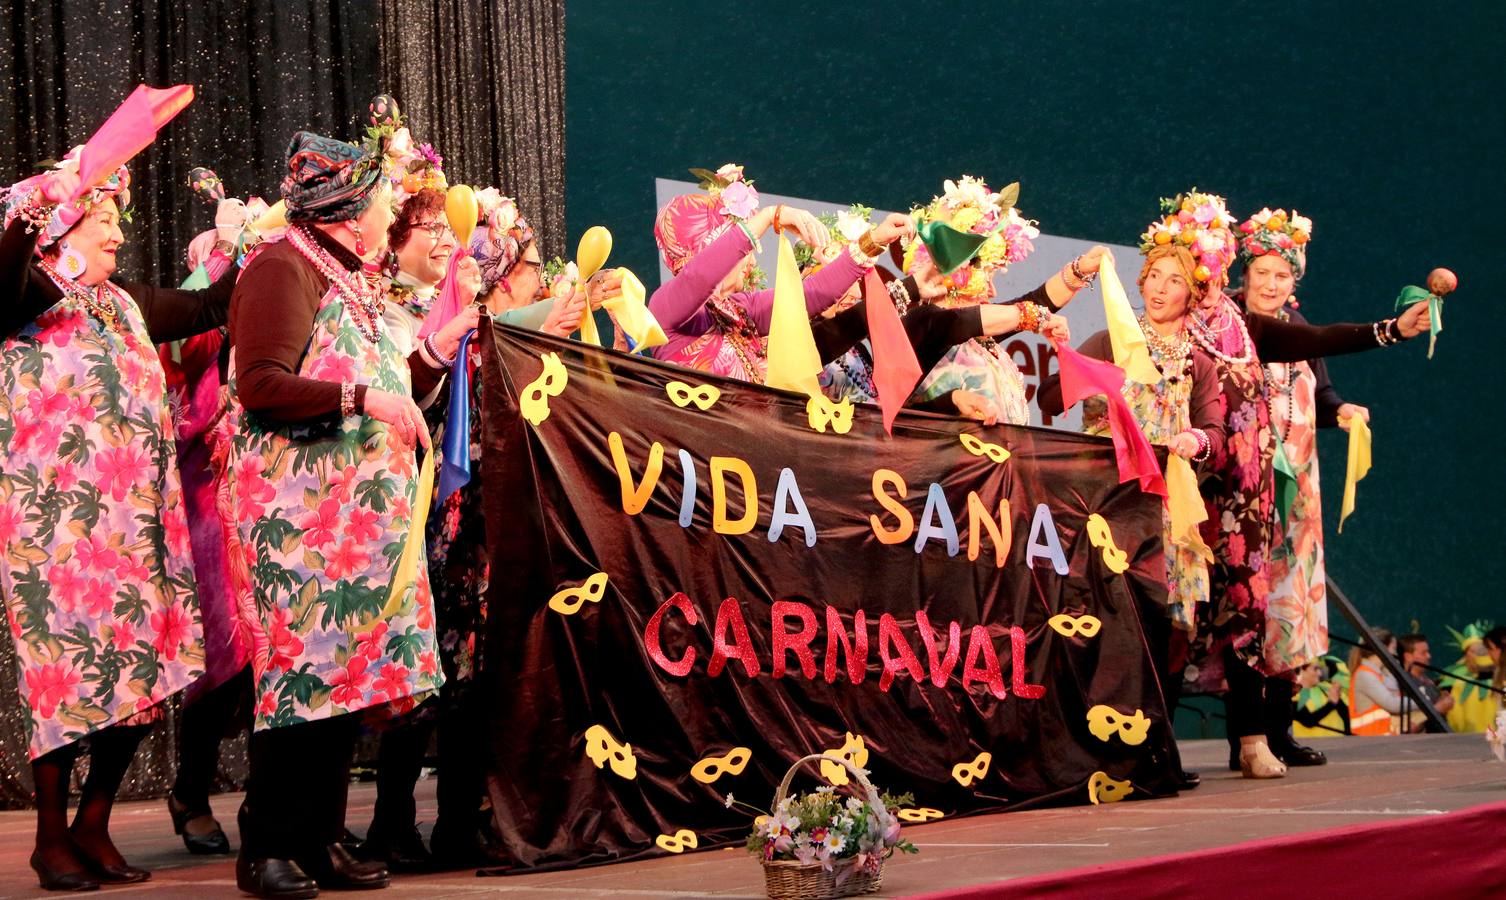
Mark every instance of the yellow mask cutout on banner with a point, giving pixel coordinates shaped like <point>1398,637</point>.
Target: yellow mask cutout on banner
<point>1103,538</point>
<point>851,750</point>
<point>966,773</point>
<point>1103,789</point>
<point>679,842</point>
<point>922,814</point>
<point>978,447</point>
<point>567,602</point>
<point>711,768</point>
<point>1072,626</point>
<point>534,401</point>
<point>819,412</point>
<point>704,396</point>
<point>1105,722</point>
<point>606,750</point>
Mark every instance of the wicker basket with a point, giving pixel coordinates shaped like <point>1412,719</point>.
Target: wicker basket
<point>788,879</point>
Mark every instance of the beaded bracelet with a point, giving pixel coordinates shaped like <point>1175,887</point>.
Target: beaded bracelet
<point>444,361</point>
<point>1204,445</point>
<point>1085,278</point>
<point>1386,332</point>
<point>36,212</point>
<point>348,399</point>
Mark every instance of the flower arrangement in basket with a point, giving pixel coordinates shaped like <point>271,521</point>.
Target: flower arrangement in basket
<point>821,844</point>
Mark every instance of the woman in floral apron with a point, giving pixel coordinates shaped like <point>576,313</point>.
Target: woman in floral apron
<point>324,483</point>
<point>713,320</point>
<point>1300,399</point>
<point>1239,491</point>
<point>977,378</point>
<point>97,572</point>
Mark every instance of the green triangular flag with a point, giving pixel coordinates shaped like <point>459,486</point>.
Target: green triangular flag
<point>1286,483</point>
<point>950,248</point>
<point>198,281</point>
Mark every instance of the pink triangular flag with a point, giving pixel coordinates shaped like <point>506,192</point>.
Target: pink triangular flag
<point>896,371</point>
<point>1082,378</point>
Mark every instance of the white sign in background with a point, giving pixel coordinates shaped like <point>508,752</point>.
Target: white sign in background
<point>1034,355</point>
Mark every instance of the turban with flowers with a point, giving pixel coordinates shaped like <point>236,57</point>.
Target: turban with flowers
<point>66,215</point>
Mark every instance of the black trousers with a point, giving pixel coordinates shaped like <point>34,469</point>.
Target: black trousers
<point>1244,704</point>
<point>207,721</point>
<point>297,791</point>
<point>400,758</point>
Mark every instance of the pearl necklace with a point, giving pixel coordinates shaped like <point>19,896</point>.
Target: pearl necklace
<point>1206,334</point>
<point>362,294</point>
<point>95,301</point>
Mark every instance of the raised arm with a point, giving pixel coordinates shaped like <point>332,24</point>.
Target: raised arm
<point>172,314</point>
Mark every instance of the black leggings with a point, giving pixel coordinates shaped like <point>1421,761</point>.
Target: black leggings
<point>299,783</point>
<point>205,723</point>
<point>1244,703</point>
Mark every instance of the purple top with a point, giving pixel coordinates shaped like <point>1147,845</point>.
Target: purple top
<point>695,338</point>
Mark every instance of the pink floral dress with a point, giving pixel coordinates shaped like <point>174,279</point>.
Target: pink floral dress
<point>97,573</point>
<point>322,513</point>
<point>1296,624</point>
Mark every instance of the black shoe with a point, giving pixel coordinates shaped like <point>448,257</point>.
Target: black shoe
<point>62,881</point>
<point>1187,781</point>
<point>455,848</point>
<point>336,869</point>
<point>1295,754</point>
<point>403,852</point>
<point>202,844</point>
<point>349,839</point>
<point>107,874</point>
<point>279,878</point>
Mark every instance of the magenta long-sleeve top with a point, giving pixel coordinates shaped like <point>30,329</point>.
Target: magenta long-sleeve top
<point>695,337</point>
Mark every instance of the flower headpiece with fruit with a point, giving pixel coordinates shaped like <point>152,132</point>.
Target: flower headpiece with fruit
<point>1268,232</point>
<point>410,168</point>
<point>969,206</point>
<point>1202,224</point>
<point>845,226</point>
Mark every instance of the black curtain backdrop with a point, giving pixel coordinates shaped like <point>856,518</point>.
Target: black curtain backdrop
<point>484,82</point>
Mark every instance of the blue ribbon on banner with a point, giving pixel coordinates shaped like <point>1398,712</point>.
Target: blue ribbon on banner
<point>455,473</point>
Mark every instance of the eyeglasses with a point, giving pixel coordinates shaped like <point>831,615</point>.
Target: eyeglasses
<point>435,230</point>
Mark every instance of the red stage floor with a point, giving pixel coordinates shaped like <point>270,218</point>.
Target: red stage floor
<point>1370,780</point>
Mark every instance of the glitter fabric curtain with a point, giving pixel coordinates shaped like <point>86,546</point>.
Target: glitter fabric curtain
<point>484,82</point>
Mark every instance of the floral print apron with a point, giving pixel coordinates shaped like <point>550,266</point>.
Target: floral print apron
<point>97,572</point>
<point>322,512</point>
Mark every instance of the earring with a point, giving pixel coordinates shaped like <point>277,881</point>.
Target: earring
<point>360,244</point>
<point>71,263</point>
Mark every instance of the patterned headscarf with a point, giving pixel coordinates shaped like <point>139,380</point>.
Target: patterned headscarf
<point>328,180</point>
<point>66,215</point>
<point>687,225</point>
<point>498,247</point>
<point>1269,232</point>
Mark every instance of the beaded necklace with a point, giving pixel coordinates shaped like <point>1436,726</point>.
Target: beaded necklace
<point>1284,375</point>
<point>1207,333</point>
<point>98,303</point>
<point>1171,355</point>
<point>861,376</point>
<point>362,293</point>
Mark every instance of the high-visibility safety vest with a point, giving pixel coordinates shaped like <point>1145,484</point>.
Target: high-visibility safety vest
<point>1373,719</point>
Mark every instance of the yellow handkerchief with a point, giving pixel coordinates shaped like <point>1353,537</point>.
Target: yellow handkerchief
<point>1130,352</point>
<point>1359,464</point>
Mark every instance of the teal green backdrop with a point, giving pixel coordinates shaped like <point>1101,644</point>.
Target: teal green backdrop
<point>1385,122</point>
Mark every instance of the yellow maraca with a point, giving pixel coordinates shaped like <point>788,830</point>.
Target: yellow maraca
<point>590,254</point>
<point>461,210</point>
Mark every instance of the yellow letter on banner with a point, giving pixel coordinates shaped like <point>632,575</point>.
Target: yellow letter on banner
<point>720,466</point>
<point>979,520</point>
<point>635,498</point>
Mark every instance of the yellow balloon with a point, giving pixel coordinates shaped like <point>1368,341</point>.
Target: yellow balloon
<point>460,208</point>
<point>592,252</point>
<point>275,217</point>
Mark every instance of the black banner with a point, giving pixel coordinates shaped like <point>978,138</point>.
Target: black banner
<point>693,585</point>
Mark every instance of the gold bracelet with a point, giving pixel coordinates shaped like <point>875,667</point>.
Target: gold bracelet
<point>868,245</point>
